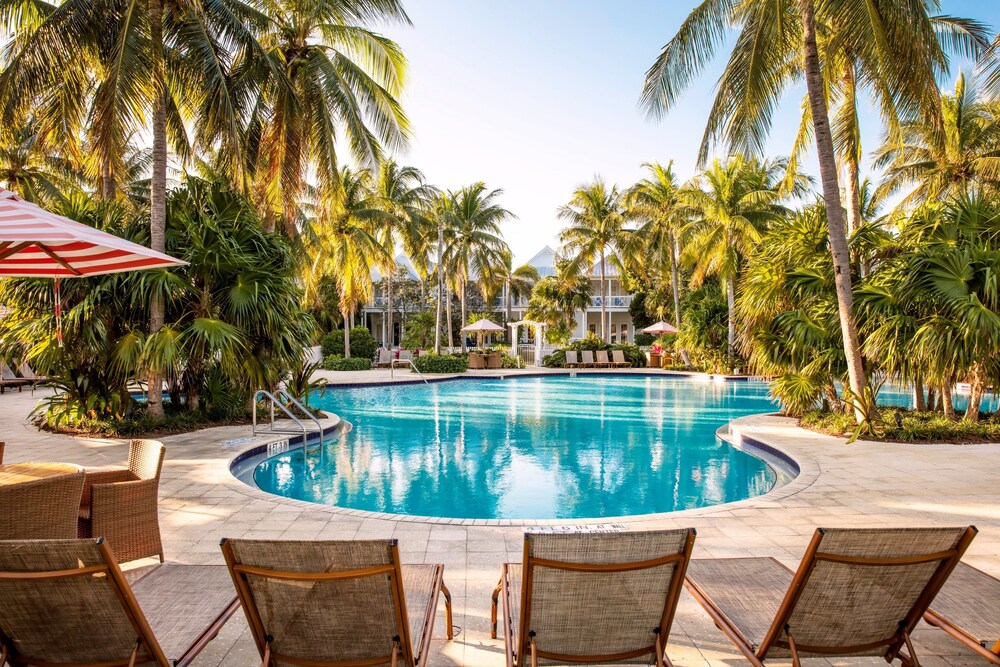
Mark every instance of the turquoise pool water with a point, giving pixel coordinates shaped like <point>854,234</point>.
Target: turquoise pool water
<point>529,448</point>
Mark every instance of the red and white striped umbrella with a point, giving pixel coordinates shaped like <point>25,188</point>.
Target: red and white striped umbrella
<point>37,243</point>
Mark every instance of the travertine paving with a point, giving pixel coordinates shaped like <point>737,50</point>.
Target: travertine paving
<point>864,484</point>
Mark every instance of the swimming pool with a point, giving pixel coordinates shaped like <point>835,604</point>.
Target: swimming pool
<point>554,447</point>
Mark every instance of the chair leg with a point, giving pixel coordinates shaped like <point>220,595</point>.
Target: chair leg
<point>911,659</point>
<point>791,647</point>
<point>493,609</point>
<point>447,610</point>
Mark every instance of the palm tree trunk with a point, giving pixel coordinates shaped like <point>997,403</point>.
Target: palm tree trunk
<point>388,310</point>
<point>347,333</point>
<point>510,305</point>
<point>731,306</point>
<point>604,301</point>
<point>932,399</point>
<point>675,254</point>
<point>831,195</point>
<point>918,395</point>
<point>447,304</point>
<point>464,313</point>
<point>440,291</point>
<point>946,403</point>
<point>977,383</point>
<point>108,185</point>
<point>157,189</point>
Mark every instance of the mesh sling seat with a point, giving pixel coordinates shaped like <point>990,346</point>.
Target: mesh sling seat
<point>618,359</point>
<point>857,592</point>
<point>571,360</point>
<point>587,359</point>
<point>66,602</point>
<point>968,609</point>
<point>122,504</point>
<point>336,603</point>
<point>592,597</point>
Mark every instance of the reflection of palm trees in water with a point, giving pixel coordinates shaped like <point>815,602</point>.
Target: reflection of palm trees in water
<point>617,447</point>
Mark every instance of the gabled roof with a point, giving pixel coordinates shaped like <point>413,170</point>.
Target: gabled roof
<point>402,262</point>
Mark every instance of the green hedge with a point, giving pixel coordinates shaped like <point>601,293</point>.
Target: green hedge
<point>335,362</point>
<point>644,339</point>
<point>441,363</point>
<point>363,344</point>
<point>911,426</point>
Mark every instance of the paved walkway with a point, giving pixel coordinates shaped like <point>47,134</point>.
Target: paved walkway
<point>863,484</point>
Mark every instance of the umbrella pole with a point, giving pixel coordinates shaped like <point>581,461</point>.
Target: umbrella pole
<point>58,297</point>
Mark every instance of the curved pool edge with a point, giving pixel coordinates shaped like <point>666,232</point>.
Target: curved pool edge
<point>744,433</point>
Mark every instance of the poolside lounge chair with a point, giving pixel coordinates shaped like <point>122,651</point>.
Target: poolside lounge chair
<point>857,592</point>
<point>384,359</point>
<point>602,359</point>
<point>94,615</point>
<point>405,355</point>
<point>587,359</point>
<point>336,603</point>
<point>121,504</point>
<point>968,609</point>
<point>30,375</point>
<point>592,597</point>
<point>571,359</point>
<point>9,379</point>
<point>618,359</point>
<point>40,509</point>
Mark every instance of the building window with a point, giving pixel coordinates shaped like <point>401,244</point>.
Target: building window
<point>624,333</point>
<point>592,329</point>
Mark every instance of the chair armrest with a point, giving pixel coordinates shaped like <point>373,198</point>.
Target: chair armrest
<point>101,476</point>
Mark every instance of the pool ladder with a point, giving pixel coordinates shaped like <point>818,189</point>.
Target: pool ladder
<point>273,400</point>
<point>404,362</point>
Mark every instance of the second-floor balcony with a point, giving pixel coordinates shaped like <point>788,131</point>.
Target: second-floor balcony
<point>621,301</point>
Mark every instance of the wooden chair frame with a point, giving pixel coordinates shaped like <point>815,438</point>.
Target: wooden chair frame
<point>403,642</point>
<point>147,648</point>
<point>516,656</point>
<point>955,631</point>
<point>894,644</point>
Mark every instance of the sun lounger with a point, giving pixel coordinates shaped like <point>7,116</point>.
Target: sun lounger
<point>592,597</point>
<point>30,375</point>
<point>602,359</point>
<point>9,379</point>
<point>93,616</point>
<point>618,359</point>
<point>587,359</point>
<point>384,359</point>
<point>856,592</point>
<point>405,355</point>
<point>571,359</point>
<point>968,609</point>
<point>336,603</point>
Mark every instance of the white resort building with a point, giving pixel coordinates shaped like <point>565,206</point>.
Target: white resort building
<point>621,329</point>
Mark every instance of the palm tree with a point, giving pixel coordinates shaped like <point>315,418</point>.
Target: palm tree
<point>403,195</point>
<point>655,200</point>
<point>324,75</point>
<point>893,43</point>
<point>342,240</point>
<point>30,169</point>
<point>597,233</point>
<point>556,298</point>
<point>937,162</point>
<point>473,239</point>
<point>518,282</point>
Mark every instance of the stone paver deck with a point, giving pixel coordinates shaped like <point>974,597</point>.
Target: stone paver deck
<point>864,484</point>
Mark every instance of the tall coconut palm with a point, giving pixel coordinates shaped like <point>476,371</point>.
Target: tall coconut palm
<point>654,200</point>
<point>325,75</point>
<point>597,233</point>
<point>936,162</point>
<point>556,298</point>
<point>518,282</point>
<point>342,241</point>
<point>893,43</point>
<point>31,169</point>
<point>121,64</point>
<point>732,203</point>
<point>473,238</point>
<point>403,196</point>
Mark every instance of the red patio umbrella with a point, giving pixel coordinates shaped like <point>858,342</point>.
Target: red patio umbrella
<point>39,244</point>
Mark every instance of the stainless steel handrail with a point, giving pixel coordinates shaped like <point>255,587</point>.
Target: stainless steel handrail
<point>392,367</point>
<point>284,394</point>
<point>274,401</point>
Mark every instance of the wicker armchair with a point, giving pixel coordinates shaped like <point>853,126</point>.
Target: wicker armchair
<point>121,505</point>
<point>40,509</point>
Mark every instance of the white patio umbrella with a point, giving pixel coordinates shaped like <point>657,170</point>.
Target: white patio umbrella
<point>483,326</point>
<point>661,328</point>
<point>38,244</point>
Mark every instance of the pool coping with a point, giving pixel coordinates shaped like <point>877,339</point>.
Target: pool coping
<point>801,473</point>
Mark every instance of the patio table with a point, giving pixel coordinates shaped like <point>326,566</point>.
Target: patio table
<point>19,473</point>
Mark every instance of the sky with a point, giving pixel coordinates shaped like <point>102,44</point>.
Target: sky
<point>536,97</point>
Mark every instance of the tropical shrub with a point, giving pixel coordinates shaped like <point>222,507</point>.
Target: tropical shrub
<point>644,339</point>
<point>332,343</point>
<point>363,344</point>
<point>901,425</point>
<point>335,362</point>
<point>418,332</point>
<point>441,363</point>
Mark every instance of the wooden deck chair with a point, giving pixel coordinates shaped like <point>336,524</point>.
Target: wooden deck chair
<point>571,359</point>
<point>29,374</point>
<point>9,379</point>
<point>587,359</point>
<point>96,616</point>
<point>857,592</point>
<point>592,597</point>
<point>602,359</point>
<point>968,609</point>
<point>618,359</point>
<point>336,603</point>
